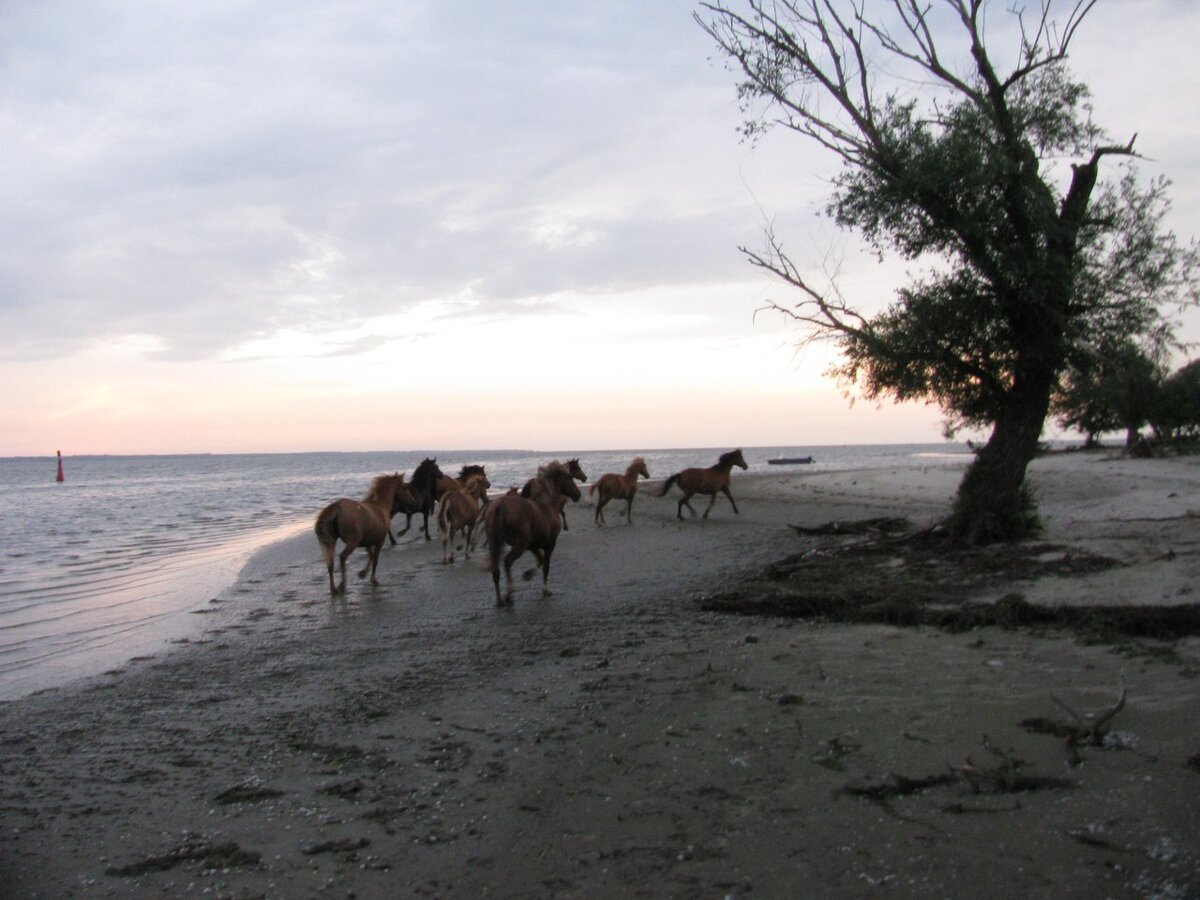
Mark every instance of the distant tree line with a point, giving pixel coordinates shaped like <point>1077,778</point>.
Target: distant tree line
<point>1128,388</point>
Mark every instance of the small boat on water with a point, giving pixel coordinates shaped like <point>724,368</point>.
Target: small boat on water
<point>790,461</point>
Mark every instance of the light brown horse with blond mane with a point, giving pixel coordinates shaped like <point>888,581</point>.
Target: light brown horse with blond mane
<point>360,523</point>
<point>710,481</point>
<point>458,512</point>
<point>619,487</point>
<point>531,524</point>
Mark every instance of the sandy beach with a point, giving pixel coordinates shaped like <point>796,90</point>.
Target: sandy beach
<point>623,738</point>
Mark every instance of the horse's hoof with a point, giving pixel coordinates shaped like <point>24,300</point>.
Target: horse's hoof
<point>528,574</point>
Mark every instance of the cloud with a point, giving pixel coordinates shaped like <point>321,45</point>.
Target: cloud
<point>210,173</point>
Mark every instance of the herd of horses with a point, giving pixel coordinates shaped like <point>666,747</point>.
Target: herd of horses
<point>526,520</point>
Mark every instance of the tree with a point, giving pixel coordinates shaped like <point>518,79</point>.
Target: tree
<point>1023,263</point>
<point>1119,387</point>
<point>1178,414</point>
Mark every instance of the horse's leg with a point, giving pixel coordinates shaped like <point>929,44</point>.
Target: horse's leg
<point>362,573</point>
<point>725,491</point>
<point>349,548</point>
<point>685,501</point>
<point>327,551</point>
<point>468,539</point>
<point>407,525</point>
<point>373,557</point>
<point>708,508</point>
<point>629,509</point>
<point>599,517</point>
<point>496,575</point>
<point>509,559</point>
<point>528,573</point>
<point>546,572</point>
<point>425,527</point>
<point>563,514</point>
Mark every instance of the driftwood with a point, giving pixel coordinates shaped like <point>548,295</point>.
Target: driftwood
<point>861,526</point>
<point>1081,731</point>
<point>1004,777</point>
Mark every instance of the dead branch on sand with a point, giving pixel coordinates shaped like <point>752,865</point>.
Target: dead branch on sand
<point>1002,778</point>
<point>1082,731</point>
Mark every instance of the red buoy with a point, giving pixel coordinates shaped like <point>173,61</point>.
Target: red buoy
<point>60,471</point>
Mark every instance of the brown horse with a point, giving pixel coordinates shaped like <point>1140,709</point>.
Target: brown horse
<point>705,481</point>
<point>423,496</point>
<point>362,523</point>
<point>458,511</point>
<point>619,487</point>
<point>531,524</point>
<point>575,471</point>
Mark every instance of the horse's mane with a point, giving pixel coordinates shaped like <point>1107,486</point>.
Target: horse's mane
<point>467,471</point>
<point>424,478</point>
<point>544,487</point>
<point>725,460</point>
<point>384,483</point>
<point>633,466</point>
<point>552,468</point>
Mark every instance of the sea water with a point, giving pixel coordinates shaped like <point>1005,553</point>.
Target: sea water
<point>113,560</point>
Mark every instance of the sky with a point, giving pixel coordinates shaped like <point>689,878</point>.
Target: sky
<point>270,227</point>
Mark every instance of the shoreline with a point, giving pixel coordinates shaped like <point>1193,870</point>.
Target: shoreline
<point>414,739</point>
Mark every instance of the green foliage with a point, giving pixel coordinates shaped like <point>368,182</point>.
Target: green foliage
<point>1117,388</point>
<point>1178,412</point>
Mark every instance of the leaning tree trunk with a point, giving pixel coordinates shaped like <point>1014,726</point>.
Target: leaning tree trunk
<point>993,503</point>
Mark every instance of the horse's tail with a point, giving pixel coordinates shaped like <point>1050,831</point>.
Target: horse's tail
<point>495,538</point>
<point>328,532</point>
<point>592,489</point>
<point>662,492</point>
<point>443,525</point>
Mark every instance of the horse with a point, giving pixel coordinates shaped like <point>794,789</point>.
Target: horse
<point>364,523</point>
<point>531,524</point>
<point>423,490</point>
<point>705,481</point>
<point>446,483</point>
<point>573,468</point>
<point>458,510</point>
<point>619,487</point>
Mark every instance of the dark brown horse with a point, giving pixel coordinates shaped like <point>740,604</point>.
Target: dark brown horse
<point>423,489</point>
<point>531,524</point>
<point>705,481</point>
<point>446,483</point>
<point>458,511</point>
<point>362,523</point>
<point>575,472</point>
<point>619,487</point>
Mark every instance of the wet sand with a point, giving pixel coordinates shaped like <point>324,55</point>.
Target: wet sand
<point>614,740</point>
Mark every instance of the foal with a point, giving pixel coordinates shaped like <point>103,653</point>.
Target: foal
<point>619,487</point>
<point>458,510</point>
<point>705,481</point>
